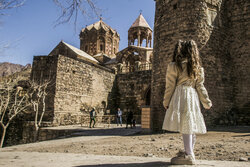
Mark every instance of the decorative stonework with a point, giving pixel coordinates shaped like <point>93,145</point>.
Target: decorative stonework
<point>99,38</point>
<point>139,31</point>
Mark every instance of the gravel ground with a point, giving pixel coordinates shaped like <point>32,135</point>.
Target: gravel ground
<point>224,143</point>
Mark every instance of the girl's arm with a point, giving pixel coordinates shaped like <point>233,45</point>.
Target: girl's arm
<point>202,92</point>
<point>171,77</point>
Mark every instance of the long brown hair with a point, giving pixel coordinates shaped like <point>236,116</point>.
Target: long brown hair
<point>187,50</point>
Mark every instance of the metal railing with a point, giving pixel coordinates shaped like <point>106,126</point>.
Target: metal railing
<point>146,66</point>
<point>141,67</point>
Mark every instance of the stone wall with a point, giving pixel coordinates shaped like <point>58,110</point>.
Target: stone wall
<point>134,90</point>
<point>206,22</point>
<point>238,23</point>
<point>78,83</point>
<point>75,84</point>
<point>44,68</point>
<point>14,131</point>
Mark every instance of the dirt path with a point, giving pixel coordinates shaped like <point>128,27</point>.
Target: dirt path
<point>226,143</point>
<point>35,159</point>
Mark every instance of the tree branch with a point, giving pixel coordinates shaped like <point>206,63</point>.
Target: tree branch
<point>71,8</point>
<point>10,4</point>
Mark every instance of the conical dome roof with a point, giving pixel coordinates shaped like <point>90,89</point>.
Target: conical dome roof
<point>140,22</point>
<point>99,25</point>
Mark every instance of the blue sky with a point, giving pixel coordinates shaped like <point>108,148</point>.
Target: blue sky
<point>30,29</point>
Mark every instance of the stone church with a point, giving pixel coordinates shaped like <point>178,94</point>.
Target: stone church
<point>101,76</point>
<point>98,74</point>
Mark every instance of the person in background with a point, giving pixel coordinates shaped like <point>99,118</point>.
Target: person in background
<point>92,115</point>
<point>130,117</point>
<point>119,117</point>
<point>134,123</point>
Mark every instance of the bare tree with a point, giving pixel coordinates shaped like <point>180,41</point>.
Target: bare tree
<point>9,4</point>
<point>12,103</point>
<point>37,94</point>
<point>71,9</point>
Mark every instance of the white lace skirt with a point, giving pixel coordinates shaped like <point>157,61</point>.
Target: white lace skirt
<point>184,114</point>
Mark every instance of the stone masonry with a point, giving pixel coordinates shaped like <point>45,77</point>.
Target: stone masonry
<point>99,38</point>
<point>45,68</point>
<point>134,90</point>
<point>221,30</point>
<point>79,83</point>
<point>76,83</point>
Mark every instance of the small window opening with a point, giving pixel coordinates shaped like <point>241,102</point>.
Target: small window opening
<point>86,48</point>
<point>101,47</point>
<point>175,6</point>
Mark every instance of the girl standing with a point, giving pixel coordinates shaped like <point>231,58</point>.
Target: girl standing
<point>183,93</point>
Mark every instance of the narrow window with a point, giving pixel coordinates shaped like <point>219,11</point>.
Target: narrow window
<point>175,6</point>
<point>86,48</point>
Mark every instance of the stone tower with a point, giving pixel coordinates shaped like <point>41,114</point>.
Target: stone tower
<point>133,77</point>
<point>99,38</point>
<point>135,54</point>
<point>139,31</point>
<point>221,31</point>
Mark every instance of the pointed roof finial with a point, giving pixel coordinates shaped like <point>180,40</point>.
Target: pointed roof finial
<point>100,17</point>
<point>140,22</point>
<point>140,11</point>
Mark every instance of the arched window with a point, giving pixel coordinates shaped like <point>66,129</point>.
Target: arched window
<point>86,48</point>
<point>114,46</point>
<point>101,47</point>
<point>109,46</point>
<point>102,44</point>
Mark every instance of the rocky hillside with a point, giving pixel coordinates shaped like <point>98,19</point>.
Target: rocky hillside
<point>7,69</point>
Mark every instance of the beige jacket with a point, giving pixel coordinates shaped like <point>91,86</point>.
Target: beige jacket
<point>175,78</point>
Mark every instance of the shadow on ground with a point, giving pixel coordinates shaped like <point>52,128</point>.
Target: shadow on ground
<point>235,129</point>
<point>148,164</point>
<point>241,135</point>
<point>120,131</point>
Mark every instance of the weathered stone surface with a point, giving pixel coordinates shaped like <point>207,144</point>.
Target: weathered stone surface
<point>134,90</point>
<point>75,82</point>
<point>45,68</point>
<point>99,38</point>
<point>221,30</point>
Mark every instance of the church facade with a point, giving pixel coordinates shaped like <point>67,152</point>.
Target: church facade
<point>98,74</point>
